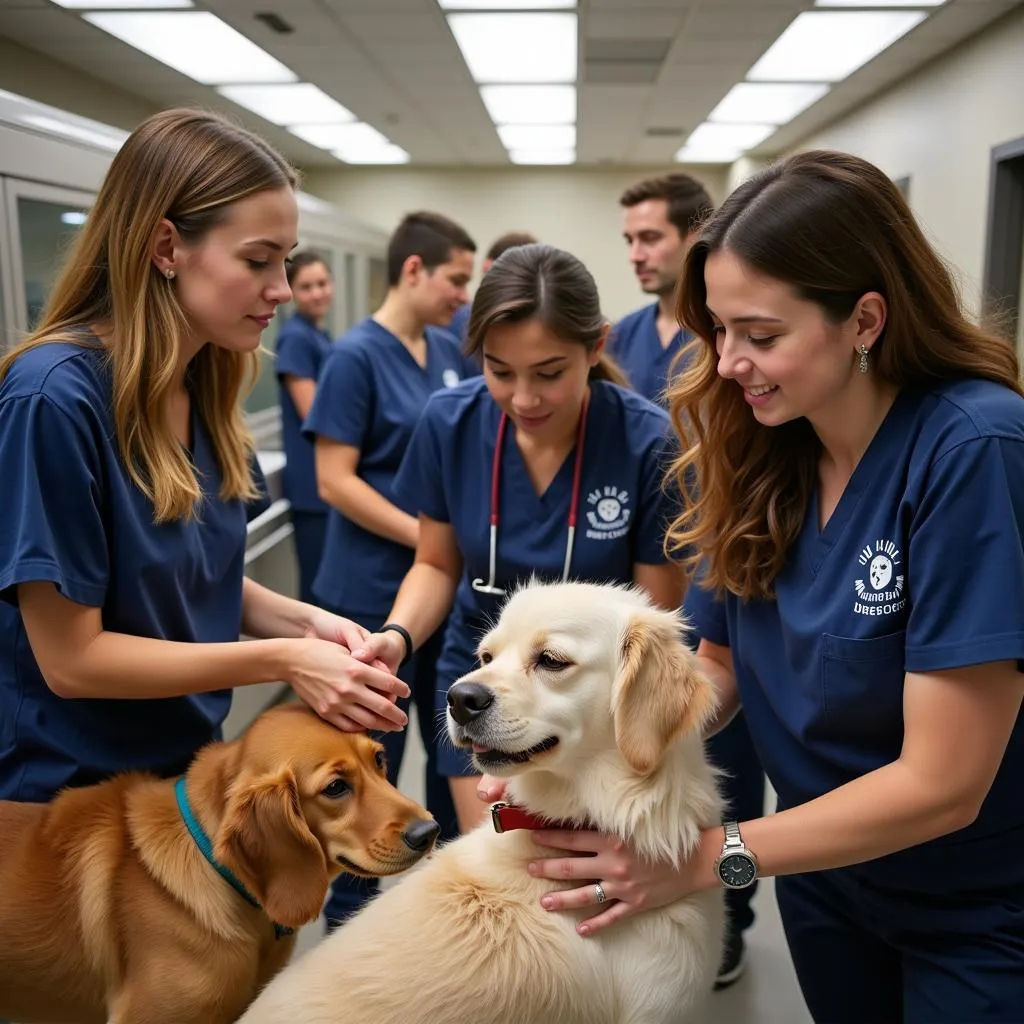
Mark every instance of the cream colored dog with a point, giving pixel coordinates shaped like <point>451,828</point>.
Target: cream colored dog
<point>588,701</point>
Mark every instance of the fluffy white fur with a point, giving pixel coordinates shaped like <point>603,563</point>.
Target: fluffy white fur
<point>464,938</point>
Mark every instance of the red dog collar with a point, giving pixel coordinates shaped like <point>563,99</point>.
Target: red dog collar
<point>508,817</point>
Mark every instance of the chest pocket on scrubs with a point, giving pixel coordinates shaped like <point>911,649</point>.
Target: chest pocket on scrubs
<point>862,689</point>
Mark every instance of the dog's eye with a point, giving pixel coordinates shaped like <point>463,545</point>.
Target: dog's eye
<point>336,788</point>
<point>551,662</point>
<point>486,657</point>
<point>382,761</point>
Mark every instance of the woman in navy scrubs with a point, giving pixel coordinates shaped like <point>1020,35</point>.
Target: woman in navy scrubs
<point>129,476</point>
<point>374,385</point>
<point>302,346</point>
<point>578,461</point>
<point>858,541</point>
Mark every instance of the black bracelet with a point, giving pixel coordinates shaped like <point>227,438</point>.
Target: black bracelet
<point>404,634</point>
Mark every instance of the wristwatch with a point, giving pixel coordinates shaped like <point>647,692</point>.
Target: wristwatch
<point>736,866</point>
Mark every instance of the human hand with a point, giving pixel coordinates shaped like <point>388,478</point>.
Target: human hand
<point>490,789</point>
<point>348,693</point>
<point>387,648</point>
<point>629,883</point>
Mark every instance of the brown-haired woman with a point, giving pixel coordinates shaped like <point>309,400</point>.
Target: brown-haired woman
<point>500,466</point>
<point>854,450</point>
<point>302,346</point>
<point>129,476</point>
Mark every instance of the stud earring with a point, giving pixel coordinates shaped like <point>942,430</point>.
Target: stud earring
<point>863,358</point>
<point>169,274</point>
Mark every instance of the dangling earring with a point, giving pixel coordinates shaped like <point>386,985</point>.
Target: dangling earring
<point>863,358</point>
<point>169,274</point>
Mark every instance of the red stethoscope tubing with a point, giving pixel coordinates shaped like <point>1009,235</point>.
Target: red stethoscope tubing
<point>574,504</point>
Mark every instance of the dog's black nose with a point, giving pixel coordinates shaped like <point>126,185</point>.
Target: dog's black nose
<point>420,835</point>
<point>467,701</point>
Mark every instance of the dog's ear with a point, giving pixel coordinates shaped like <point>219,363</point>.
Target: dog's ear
<point>266,842</point>
<point>658,693</point>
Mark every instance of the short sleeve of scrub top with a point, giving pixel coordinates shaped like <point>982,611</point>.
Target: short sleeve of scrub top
<point>343,407</point>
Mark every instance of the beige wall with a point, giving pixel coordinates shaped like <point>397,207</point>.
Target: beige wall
<point>574,208</point>
<point>37,77</point>
<point>939,127</point>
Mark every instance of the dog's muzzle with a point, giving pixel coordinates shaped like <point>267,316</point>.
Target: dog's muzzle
<point>468,701</point>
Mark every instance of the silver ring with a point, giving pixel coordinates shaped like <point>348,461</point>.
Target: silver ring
<point>599,892</point>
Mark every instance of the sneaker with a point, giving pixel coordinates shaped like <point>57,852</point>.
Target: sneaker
<point>734,961</point>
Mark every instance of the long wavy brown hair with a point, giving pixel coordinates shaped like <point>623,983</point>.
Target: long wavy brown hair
<point>833,227</point>
<point>188,167</point>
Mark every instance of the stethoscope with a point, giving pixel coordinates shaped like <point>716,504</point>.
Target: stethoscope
<point>581,431</point>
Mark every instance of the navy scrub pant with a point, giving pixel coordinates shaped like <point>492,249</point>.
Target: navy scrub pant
<point>868,955</point>
<point>348,894</point>
<point>309,529</point>
<point>733,751</point>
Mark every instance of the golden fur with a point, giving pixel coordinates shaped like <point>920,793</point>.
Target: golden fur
<point>111,913</point>
<point>464,938</point>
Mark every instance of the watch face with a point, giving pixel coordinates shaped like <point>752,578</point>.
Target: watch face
<point>737,870</point>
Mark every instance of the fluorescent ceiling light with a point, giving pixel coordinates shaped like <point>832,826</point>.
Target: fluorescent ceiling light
<point>332,136</point>
<point>196,43</point>
<point>114,5</point>
<point>108,138</point>
<point>530,104</point>
<point>506,5</point>
<point>504,48</point>
<point>543,136</point>
<point>725,156</point>
<point>542,156</point>
<point>722,143</point>
<point>879,3</point>
<point>297,103</point>
<point>828,46</point>
<point>386,154</point>
<point>766,102</point>
<point>356,143</point>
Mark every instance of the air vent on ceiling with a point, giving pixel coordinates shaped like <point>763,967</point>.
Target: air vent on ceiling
<point>623,61</point>
<point>664,132</point>
<point>275,23</point>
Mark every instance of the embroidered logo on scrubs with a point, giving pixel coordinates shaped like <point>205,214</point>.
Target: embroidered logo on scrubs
<point>450,378</point>
<point>881,592</point>
<point>609,513</point>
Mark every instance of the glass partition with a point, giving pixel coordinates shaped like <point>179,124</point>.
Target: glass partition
<point>45,231</point>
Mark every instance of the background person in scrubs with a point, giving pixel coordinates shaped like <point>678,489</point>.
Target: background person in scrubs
<point>537,323</point>
<point>373,387</point>
<point>660,222</point>
<point>128,478</point>
<point>460,321</point>
<point>860,542</point>
<point>302,345</point>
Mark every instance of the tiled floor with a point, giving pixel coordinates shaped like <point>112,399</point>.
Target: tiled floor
<point>766,994</point>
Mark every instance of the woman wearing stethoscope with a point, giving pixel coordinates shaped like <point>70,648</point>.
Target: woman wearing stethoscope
<point>545,466</point>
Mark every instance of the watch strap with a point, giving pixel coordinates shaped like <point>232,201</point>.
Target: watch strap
<point>394,627</point>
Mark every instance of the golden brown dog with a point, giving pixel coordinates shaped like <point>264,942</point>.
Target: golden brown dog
<point>109,911</point>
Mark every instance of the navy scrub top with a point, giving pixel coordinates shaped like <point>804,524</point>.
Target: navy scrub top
<point>919,569</point>
<point>459,325</point>
<point>636,347</point>
<point>370,396</point>
<point>301,350</point>
<point>72,516</point>
<point>624,509</point>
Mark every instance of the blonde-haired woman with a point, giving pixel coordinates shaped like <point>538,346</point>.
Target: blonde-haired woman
<point>129,477</point>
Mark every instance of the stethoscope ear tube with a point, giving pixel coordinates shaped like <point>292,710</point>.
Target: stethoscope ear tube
<point>489,587</point>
